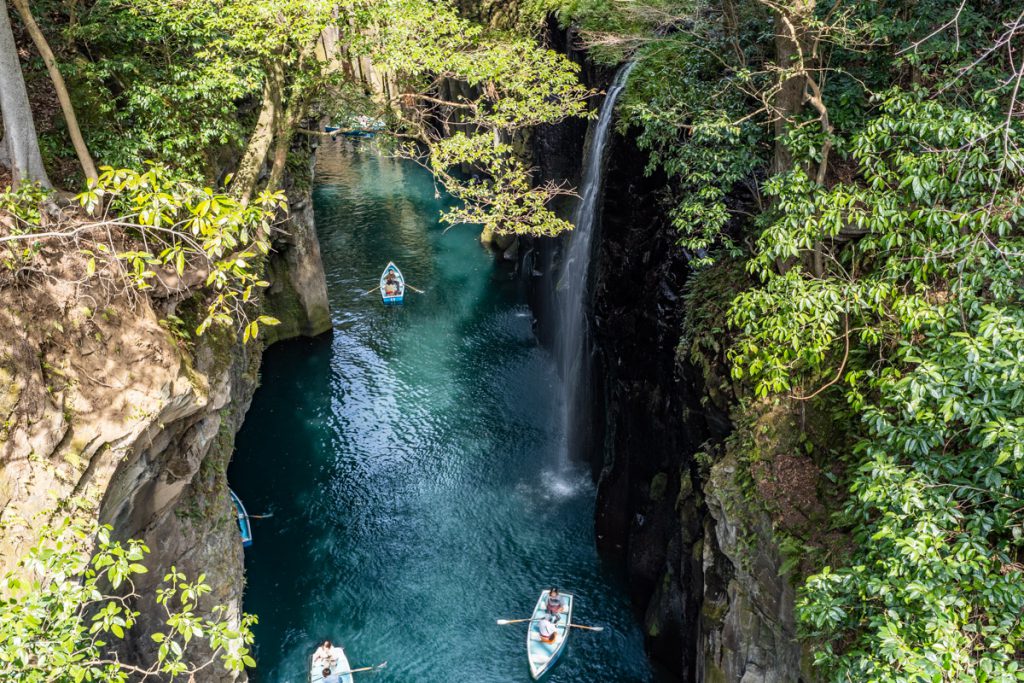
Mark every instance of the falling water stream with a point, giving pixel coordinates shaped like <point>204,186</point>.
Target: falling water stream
<point>409,461</point>
<point>573,289</point>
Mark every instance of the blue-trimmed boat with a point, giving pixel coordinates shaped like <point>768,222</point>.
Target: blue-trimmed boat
<point>243,520</point>
<point>543,655</point>
<point>338,664</point>
<point>392,285</point>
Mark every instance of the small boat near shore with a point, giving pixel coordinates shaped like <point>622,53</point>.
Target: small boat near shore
<point>339,665</point>
<point>543,655</point>
<point>244,525</point>
<point>392,285</point>
<point>364,127</point>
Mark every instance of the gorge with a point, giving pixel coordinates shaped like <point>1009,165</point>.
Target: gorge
<point>713,322</point>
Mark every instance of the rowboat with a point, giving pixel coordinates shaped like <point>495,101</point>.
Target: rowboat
<point>543,655</point>
<point>338,665</point>
<point>349,132</point>
<point>392,292</point>
<point>243,520</point>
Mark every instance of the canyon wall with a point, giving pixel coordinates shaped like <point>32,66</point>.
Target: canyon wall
<point>108,412</point>
<point>674,509</point>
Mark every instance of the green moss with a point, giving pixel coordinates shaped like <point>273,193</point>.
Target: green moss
<point>658,486</point>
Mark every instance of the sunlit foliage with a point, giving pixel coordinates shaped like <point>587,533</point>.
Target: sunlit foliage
<point>70,600</point>
<point>887,239</point>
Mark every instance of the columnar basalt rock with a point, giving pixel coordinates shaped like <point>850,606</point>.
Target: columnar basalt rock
<point>703,564</point>
<point>298,287</point>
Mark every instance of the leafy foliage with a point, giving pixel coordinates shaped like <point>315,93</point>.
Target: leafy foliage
<point>172,74</point>
<point>926,304</point>
<point>70,599</point>
<point>503,84</point>
<point>888,247</point>
<point>188,230</point>
<point>23,206</point>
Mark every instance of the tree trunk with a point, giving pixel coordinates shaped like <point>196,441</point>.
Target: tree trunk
<point>19,127</point>
<point>5,156</point>
<point>248,173</point>
<point>284,129</point>
<point>791,57</point>
<point>84,158</point>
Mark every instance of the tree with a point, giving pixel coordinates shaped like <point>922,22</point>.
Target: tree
<point>20,138</point>
<point>84,158</point>
<point>467,96</point>
<point>69,601</point>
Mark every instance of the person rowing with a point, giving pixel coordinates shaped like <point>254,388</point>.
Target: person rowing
<point>547,629</point>
<point>391,285</point>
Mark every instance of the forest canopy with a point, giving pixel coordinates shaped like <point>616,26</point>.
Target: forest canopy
<point>182,117</point>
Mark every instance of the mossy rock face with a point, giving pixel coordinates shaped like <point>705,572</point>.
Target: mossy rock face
<point>297,295</point>
<point>714,674</point>
<point>658,486</point>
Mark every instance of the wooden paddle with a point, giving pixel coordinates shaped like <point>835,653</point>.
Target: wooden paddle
<point>418,291</point>
<point>370,290</point>
<point>365,668</point>
<point>503,622</point>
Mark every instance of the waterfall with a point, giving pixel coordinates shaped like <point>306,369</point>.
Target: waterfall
<point>573,289</point>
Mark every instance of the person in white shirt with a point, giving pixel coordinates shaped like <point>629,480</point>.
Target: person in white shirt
<point>324,655</point>
<point>547,630</point>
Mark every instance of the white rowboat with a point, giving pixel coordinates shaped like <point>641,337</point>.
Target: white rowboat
<point>338,665</point>
<point>544,655</point>
<point>392,285</point>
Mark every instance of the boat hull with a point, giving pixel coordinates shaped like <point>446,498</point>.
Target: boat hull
<point>542,656</point>
<point>244,525</point>
<point>398,297</point>
<point>340,663</point>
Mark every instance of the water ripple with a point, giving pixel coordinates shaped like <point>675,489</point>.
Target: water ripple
<point>411,463</point>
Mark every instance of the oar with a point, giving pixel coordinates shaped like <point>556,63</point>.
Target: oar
<point>504,622</point>
<point>266,516</point>
<point>365,668</point>
<point>418,291</point>
<point>370,290</point>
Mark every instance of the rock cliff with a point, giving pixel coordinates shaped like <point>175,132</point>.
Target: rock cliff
<point>674,510</point>
<point>109,412</point>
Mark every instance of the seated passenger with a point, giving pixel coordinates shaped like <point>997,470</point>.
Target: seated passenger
<point>555,603</point>
<point>324,655</point>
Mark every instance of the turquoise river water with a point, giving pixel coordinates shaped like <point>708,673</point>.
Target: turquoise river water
<point>410,461</point>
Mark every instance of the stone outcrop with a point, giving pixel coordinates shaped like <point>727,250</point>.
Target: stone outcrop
<point>108,413</point>
<point>297,295</point>
<point>747,632</point>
